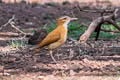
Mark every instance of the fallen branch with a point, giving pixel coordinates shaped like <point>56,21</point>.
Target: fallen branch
<point>96,24</point>
<point>12,25</point>
<point>110,31</point>
<point>9,21</point>
<point>8,34</point>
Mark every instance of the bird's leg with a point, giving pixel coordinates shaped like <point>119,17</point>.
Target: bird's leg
<point>58,56</point>
<point>51,54</point>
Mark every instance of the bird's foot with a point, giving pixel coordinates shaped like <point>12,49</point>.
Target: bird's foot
<point>53,59</point>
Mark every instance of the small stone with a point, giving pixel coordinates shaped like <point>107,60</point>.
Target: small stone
<point>6,74</point>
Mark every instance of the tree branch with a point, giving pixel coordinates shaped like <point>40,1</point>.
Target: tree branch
<point>97,22</point>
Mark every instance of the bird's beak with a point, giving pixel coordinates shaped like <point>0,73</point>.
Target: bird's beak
<point>73,19</point>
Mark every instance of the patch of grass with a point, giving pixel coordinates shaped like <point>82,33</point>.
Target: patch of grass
<point>109,27</point>
<point>50,27</point>
<point>75,30</point>
<point>108,34</point>
<point>65,2</point>
<point>53,4</point>
<point>17,44</point>
<point>32,30</point>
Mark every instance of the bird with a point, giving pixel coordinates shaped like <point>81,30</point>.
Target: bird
<point>57,37</point>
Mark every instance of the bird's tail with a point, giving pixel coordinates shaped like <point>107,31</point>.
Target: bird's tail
<point>36,51</point>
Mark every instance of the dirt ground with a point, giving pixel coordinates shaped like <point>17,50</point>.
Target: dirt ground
<point>95,59</point>
<point>74,62</point>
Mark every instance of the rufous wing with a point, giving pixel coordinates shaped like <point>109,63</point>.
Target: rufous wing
<point>50,38</point>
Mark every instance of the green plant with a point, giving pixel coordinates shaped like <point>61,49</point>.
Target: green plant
<point>29,30</point>
<point>53,4</point>
<point>17,44</point>
<point>65,3</point>
<point>108,34</point>
<point>50,27</point>
<point>75,30</point>
<point>109,27</point>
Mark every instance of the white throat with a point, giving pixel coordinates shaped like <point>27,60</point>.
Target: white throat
<point>66,24</point>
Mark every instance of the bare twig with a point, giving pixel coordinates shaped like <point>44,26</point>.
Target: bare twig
<point>12,25</point>
<point>11,19</point>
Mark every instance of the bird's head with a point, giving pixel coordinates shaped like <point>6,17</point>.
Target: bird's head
<point>65,20</point>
